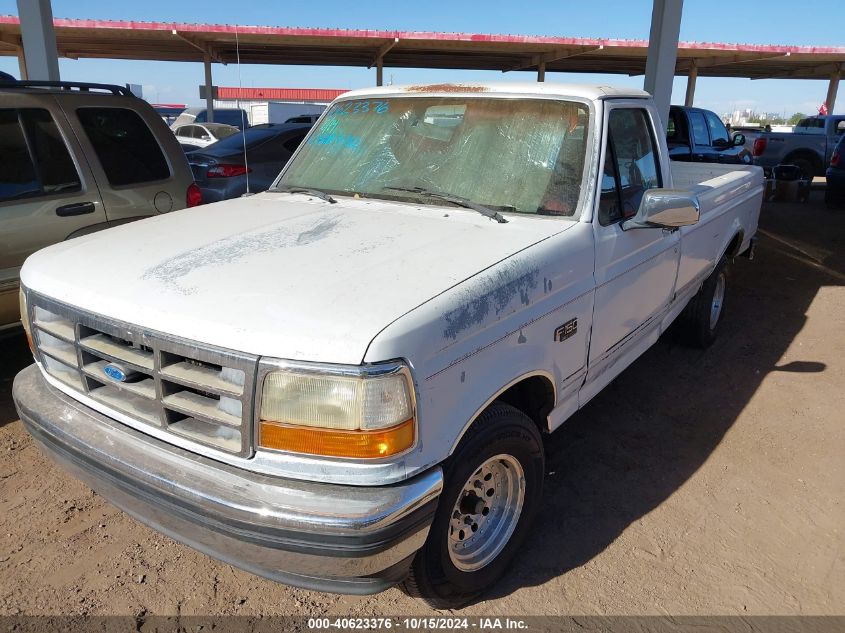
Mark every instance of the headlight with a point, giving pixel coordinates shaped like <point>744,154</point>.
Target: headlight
<point>27,326</point>
<point>360,414</point>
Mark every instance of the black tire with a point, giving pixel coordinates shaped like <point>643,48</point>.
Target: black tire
<point>806,167</point>
<point>832,200</point>
<point>696,326</point>
<point>500,430</point>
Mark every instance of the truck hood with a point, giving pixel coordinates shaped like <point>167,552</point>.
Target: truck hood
<point>278,274</point>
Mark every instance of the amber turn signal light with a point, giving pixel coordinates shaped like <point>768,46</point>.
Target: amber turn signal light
<point>335,443</point>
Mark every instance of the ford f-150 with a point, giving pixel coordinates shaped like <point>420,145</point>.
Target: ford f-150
<point>344,382</point>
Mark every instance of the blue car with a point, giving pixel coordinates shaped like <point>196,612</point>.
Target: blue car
<point>834,193</point>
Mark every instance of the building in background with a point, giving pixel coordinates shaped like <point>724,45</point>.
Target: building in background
<point>276,105</point>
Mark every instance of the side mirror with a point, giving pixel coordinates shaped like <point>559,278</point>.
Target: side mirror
<point>739,139</point>
<point>664,209</point>
<point>206,137</point>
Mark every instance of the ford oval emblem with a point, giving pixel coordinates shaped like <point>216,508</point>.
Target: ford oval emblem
<point>114,372</point>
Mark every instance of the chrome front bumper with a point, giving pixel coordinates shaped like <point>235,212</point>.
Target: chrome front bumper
<point>344,539</point>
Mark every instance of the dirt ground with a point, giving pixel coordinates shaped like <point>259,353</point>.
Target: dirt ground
<point>697,483</point>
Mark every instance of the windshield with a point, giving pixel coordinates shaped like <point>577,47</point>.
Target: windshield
<point>223,131</point>
<point>509,154</point>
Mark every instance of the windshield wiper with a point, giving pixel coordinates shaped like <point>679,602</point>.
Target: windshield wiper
<point>322,195</point>
<point>458,200</point>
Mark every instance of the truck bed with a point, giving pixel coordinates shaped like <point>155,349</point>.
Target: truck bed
<point>729,197</point>
<point>712,182</point>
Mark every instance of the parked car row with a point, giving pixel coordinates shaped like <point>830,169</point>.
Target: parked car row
<point>82,157</point>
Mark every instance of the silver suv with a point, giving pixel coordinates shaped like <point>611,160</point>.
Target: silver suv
<point>77,158</point>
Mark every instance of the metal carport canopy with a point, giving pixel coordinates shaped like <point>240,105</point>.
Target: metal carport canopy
<point>170,41</point>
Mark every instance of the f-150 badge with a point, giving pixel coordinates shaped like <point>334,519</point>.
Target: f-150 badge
<point>566,330</point>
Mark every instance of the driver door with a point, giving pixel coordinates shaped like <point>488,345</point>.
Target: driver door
<point>635,270</point>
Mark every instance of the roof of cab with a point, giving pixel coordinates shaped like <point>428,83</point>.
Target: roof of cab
<point>583,91</point>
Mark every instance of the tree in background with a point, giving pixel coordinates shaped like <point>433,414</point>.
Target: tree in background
<point>763,121</point>
<point>793,120</point>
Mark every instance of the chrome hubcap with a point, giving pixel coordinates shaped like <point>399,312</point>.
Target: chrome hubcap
<point>718,300</point>
<point>486,513</point>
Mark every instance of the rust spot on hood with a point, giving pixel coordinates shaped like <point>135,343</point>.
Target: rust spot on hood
<point>447,88</point>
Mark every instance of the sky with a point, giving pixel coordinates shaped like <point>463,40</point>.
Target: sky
<point>747,22</point>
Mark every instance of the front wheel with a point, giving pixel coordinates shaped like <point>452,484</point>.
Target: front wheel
<point>492,489</point>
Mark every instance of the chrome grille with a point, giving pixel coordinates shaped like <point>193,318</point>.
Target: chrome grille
<point>200,393</point>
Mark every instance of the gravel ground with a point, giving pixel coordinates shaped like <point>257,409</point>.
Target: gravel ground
<point>697,483</point>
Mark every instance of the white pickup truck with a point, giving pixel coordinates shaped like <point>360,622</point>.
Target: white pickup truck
<point>344,382</point>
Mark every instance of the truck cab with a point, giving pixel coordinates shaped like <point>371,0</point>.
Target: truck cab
<point>698,135</point>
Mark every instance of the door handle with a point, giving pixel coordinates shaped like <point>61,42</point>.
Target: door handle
<point>78,208</point>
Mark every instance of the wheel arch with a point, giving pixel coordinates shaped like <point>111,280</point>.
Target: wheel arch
<point>533,393</point>
<point>733,247</point>
<point>807,155</point>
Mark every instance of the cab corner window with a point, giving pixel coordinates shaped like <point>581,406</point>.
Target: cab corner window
<point>36,160</point>
<point>125,146</point>
<point>699,129</point>
<point>630,165</point>
<point>718,132</point>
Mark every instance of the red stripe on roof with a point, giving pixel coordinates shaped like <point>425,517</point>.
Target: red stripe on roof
<point>417,35</point>
<point>282,94</point>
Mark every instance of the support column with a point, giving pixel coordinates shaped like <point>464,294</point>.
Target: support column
<point>39,40</point>
<point>379,72</point>
<point>541,71</point>
<point>693,75</point>
<point>21,63</point>
<point>832,89</point>
<point>663,53</point>
<point>209,94</point>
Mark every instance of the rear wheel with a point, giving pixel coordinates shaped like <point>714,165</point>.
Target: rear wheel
<point>805,166</point>
<point>700,320</point>
<point>492,489</point>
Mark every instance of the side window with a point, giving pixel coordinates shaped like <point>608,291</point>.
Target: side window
<point>635,168</point>
<point>182,131</point>
<point>32,133</point>
<point>610,204</point>
<point>674,128</point>
<point>840,127</point>
<point>127,149</point>
<point>718,131</point>
<point>17,172</point>
<point>698,130</point>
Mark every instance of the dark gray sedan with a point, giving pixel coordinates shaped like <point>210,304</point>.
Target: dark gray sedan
<point>221,171</point>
